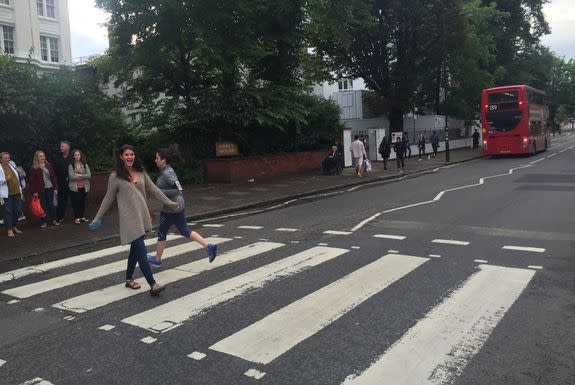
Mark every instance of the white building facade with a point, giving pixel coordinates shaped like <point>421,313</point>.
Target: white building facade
<point>38,30</point>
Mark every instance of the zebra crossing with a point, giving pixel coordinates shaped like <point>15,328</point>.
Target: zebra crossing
<point>445,339</point>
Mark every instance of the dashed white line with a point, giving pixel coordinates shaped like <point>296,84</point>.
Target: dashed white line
<point>521,248</point>
<point>250,227</point>
<point>336,232</point>
<point>215,225</point>
<point>149,340</point>
<point>393,251</point>
<point>37,381</point>
<point>13,301</point>
<point>255,374</point>
<point>38,309</point>
<point>356,247</point>
<point>534,267</point>
<point>106,328</point>
<point>197,356</point>
<point>287,230</point>
<point>450,242</point>
<point>552,155</point>
<point>434,256</point>
<point>480,261</point>
<point>388,236</point>
<point>322,244</point>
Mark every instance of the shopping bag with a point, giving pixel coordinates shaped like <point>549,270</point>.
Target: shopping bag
<point>36,209</point>
<point>367,165</point>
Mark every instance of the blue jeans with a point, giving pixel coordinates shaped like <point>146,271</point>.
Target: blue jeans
<point>169,219</point>
<point>139,254</point>
<point>12,209</point>
<point>47,202</point>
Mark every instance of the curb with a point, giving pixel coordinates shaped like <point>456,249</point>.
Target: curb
<point>263,204</point>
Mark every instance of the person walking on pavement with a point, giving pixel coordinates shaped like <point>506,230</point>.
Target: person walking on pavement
<point>398,149</point>
<point>10,194</point>
<point>168,183</point>
<point>128,185</point>
<point>434,143</point>
<point>358,152</point>
<point>475,137</point>
<point>79,176</point>
<point>406,146</point>
<point>385,151</point>
<point>61,169</point>
<point>421,146</point>
<point>44,185</point>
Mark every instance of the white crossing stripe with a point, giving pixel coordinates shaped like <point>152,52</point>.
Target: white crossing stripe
<point>256,374</point>
<point>173,314</point>
<point>288,230</point>
<point>520,248</point>
<point>387,236</point>
<point>250,227</point>
<point>37,381</point>
<point>2,362</point>
<point>437,349</point>
<point>450,242</point>
<point>96,299</point>
<point>42,268</point>
<point>272,336</point>
<point>59,282</point>
<point>336,232</point>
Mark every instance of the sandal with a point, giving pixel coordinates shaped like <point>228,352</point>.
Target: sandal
<point>77,221</point>
<point>156,289</point>
<point>11,234</point>
<point>17,231</point>
<point>132,284</point>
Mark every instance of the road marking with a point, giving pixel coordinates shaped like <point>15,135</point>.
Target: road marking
<point>437,349</point>
<point>42,268</point>
<point>59,282</point>
<point>335,232</point>
<point>362,223</point>
<point>2,362</point>
<point>535,267</point>
<point>102,297</point>
<point>434,256</point>
<point>521,248</point>
<point>174,313</point>
<point>213,225</point>
<point>387,236</point>
<point>37,381</point>
<point>250,227</point>
<point>38,310</point>
<point>149,340</point>
<point>287,230</point>
<point>322,244</point>
<point>450,242</point>
<point>13,301</point>
<point>393,251</point>
<point>537,161</point>
<point>480,261</point>
<point>552,155</point>
<point>256,374</point>
<point>106,328</point>
<point>69,318</point>
<point>272,336</point>
<point>197,356</point>
<point>356,247</point>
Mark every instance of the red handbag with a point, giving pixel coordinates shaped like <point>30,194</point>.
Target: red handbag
<point>36,209</point>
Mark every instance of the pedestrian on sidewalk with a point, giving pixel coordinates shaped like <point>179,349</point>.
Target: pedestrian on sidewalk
<point>385,151</point>
<point>358,152</point>
<point>61,169</point>
<point>340,150</point>
<point>398,148</point>
<point>11,186</point>
<point>128,185</point>
<point>475,137</point>
<point>44,185</point>
<point>421,146</point>
<point>406,146</point>
<point>79,185</point>
<point>170,186</point>
<point>434,143</point>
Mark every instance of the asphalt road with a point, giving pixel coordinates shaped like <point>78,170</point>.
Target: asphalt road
<point>461,276</point>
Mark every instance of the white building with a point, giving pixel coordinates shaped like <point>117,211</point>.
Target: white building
<point>36,29</point>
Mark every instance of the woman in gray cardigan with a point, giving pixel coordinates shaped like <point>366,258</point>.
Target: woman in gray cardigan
<point>128,186</point>
<point>171,187</point>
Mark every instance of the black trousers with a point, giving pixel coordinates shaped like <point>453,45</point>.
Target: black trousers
<point>63,194</point>
<point>78,202</point>
<point>399,161</point>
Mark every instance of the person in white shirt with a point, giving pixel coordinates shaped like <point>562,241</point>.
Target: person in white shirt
<point>358,153</point>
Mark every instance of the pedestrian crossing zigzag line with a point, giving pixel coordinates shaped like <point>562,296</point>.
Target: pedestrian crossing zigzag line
<point>111,294</point>
<point>173,314</point>
<point>450,334</point>
<point>267,339</point>
<point>65,280</point>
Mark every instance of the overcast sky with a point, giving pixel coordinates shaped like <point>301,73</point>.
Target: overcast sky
<point>90,37</point>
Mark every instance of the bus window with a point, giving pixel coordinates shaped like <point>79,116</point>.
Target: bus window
<point>503,121</point>
<point>503,97</point>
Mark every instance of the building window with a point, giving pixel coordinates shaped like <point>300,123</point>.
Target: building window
<point>6,39</point>
<point>49,47</point>
<point>345,84</point>
<point>46,8</point>
<point>5,2</point>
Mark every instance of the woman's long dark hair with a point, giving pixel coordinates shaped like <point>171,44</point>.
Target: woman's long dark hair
<point>121,171</point>
<point>171,154</point>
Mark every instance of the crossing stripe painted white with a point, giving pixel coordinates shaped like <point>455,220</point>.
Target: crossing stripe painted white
<point>272,336</point>
<point>173,314</point>
<point>99,298</point>
<point>59,282</point>
<point>521,248</point>
<point>42,268</point>
<point>437,349</point>
<point>37,381</point>
<point>250,227</point>
<point>2,362</point>
<point>387,236</point>
<point>336,232</point>
<point>450,242</point>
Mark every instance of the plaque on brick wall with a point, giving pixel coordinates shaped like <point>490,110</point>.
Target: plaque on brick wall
<point>227,149</point>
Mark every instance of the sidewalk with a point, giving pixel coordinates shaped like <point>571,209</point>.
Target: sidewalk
<point>212,200</point>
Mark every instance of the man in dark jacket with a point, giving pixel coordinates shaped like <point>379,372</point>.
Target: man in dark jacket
<point>61,169</point>
<point>398,148</point>
<point>385,151</point>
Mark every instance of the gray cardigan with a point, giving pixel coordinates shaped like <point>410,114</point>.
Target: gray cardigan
<point>73,178</point>
<point>132,205</point>
<point>167,183</point>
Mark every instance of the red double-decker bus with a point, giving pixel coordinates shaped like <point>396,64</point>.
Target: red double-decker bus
<point>515,120</point>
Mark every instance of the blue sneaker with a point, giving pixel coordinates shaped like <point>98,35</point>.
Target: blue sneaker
<point>152,260</point>
<point>212,252</point>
